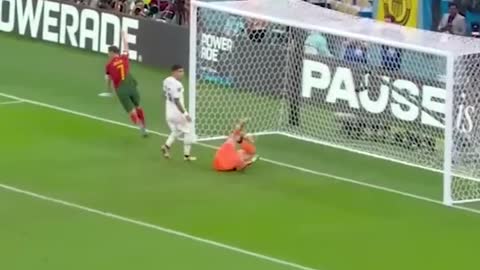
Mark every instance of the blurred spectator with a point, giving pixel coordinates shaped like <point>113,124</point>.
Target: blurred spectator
<point>322,3</point>
<point>153,9</point>
<point>356,51</point>
<point>476,30</point>
<point>119,5</point>
<point>104,4</point>
<point>453,22</point>
<point>389,18</point>
<point>164,10</point>
<point>138,9</point>
<point>356,54</point>
<point>391,56</point>
<point>187,11</point>
<point>256,29</point>
<point>181,16</point>
<point>81,2</point>
<point>316,44</point>
<point>167,10</point>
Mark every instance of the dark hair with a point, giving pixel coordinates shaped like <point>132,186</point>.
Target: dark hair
<point>113,49</point>
<point>452,4</point>
<point>390,16</point>
<point>176,67</point>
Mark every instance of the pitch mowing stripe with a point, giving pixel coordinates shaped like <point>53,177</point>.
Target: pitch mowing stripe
<point>133,221</point>
<point>155,227</point>
<point>191,237</point>
<point>274,162</point>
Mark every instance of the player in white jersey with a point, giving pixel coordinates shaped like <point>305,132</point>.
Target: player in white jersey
<point>177,116</point>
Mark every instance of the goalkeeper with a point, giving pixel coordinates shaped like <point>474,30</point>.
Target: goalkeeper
<point>228,158</point>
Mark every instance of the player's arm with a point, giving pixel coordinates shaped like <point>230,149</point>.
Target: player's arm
<point>108,83</point>
<point>125,43</point>
<point>175,93</point>
<point>239,130</point>
<point>240,126</point>
<point>180,107</point>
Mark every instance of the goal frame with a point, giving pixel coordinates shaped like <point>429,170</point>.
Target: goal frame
<point>448,55</point>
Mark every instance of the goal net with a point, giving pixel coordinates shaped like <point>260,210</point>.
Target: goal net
<point>383,90</point>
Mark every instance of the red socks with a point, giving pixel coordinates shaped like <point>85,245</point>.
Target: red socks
<point>141,116</point>
<point>138,117</point>
<point>134,117</point>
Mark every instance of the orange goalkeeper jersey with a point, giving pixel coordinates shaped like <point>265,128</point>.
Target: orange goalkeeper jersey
<point>227,158</point>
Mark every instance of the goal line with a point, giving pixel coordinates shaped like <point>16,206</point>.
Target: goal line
<point>267,160</point>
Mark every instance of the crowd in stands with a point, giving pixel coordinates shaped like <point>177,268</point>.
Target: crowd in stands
<point>453,22</point>
<point>175,11</point>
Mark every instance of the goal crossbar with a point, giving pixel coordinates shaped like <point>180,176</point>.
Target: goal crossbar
<point>318,19</point>
<point>428,103</point>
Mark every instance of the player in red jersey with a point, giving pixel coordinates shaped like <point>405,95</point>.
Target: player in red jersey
<point>118,73</point>
<point>228,158</point>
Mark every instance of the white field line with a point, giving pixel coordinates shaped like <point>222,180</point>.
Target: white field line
<point>133,221</point>
<point>194,238</point>
<point>10,102</point>
<point>155,227</point>
<point>274,162</point>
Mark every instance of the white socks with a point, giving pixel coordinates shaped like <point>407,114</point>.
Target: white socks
<point>170,140</point>
<point>186,149</point>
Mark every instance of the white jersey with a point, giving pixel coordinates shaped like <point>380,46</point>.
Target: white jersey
<point>175,119</point>
<point>173,89</point>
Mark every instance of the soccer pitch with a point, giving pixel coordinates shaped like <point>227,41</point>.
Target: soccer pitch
<point>80,189</point>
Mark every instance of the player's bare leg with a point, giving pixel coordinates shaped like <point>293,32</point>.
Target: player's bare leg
<point>248,151</point>
<point>136,120</point>
<point>247,158</point>
<point>252,160</point>
<point>187,147</point>
<point>134,117</point>
<point>166,151</point>
<point>141,121</point>
<point>168,144</point>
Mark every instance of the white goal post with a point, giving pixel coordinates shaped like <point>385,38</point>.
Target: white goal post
<point>383,90</point>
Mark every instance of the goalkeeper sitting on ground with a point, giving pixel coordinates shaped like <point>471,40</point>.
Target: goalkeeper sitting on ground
<point>228,158</point>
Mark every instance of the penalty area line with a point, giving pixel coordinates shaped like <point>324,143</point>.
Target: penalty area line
<point>11,102</point>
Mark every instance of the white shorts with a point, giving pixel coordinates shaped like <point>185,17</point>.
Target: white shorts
<point>178,123</point>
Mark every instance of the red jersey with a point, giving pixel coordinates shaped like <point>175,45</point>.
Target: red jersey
<point>118,69</point>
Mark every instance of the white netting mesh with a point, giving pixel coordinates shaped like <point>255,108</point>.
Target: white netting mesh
<point>385,101</point>
<point>466,132</point>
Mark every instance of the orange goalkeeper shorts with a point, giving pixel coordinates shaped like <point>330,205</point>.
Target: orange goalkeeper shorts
<point>227,158</point>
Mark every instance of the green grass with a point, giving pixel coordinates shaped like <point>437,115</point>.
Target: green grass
<point>281,212</point>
